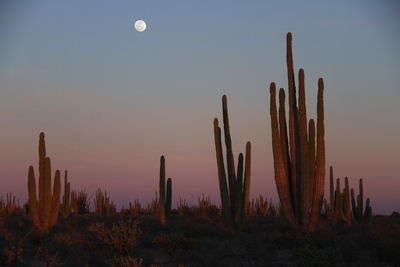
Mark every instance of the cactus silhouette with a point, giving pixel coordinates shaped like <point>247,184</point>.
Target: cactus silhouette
<point>299,163</point>
<point>44,210</point>
<point>66,203</point>
<point>165,198</point>
<point>234,193</point>
<point>359,213</point>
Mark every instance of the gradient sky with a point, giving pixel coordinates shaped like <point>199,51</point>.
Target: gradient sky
<point>112,101</point>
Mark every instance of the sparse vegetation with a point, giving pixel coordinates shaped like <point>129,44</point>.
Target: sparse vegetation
<point>49,231</point>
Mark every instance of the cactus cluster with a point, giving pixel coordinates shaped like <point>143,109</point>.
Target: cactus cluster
<point>262,207</point>
<point>135,208</point>
<point>343,206</point>
<point>165,198</point>
<point>357,204</point>
<point>8,206</point>
<point>80,202</point>
<point>204,206</point>
<point>299,159</point>
<point>44,210</point>
<point>102,203</point>
<point>182,207</point>
<point>235,193</point>
<point>338,208</point>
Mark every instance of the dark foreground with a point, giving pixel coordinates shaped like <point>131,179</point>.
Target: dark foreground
<point>196,241</point>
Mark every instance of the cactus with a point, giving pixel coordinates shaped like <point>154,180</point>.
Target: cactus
<point>359,213</point>
<point>235,192</point>
<point>8,206</point>
<point>165,198</point>
<point>338,208</point>
<point>44,210</point>
<point>299,162</point>
<point>344,206</point>
<point>66,203</point>
<point>262,206</point>
<point>103,204</point>
<point>168,200</point>
<point>182,207</point>
<point>204,209</point>
<point>135,209</point>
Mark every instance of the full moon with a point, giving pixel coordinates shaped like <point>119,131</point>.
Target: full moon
<point>140,25</point>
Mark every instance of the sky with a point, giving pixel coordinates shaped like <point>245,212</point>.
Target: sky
<point>112,100</point>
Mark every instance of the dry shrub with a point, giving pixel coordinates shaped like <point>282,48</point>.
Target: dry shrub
<point>182,207</point>
<point>127,262</point>
<point>13,255</point>
<point>122,236</point>
<point>174,244</point>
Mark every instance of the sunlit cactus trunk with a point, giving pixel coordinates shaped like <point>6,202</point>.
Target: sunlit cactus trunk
<point>299,160</point>
<point>234,189</point>
<point>44,210</point>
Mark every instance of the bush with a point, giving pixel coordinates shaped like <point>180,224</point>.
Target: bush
<point>122,237</point>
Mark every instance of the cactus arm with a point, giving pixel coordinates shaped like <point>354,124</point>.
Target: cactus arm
<point>331,189</point>
<point>238,212</point>
<point>223,186</point>
<point>168,201</point>
<point>55,203</point>
<point>293,124</point>
<point>47,197</point>
<point>247,175</point>
<point>368,210</point>
<point>42,163</point>
<point>346,193</point>
<point>353,204</point>
<point>361,198</point>
<point>306,182</point>
<point>33,203</point>
<point>162,181</point>
<point>281,171</point>
<point>229,152</point>
<point>337,201</point>
<point>320,158</point>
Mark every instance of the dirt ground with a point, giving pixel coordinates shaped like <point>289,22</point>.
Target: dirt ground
<point>196,241</point>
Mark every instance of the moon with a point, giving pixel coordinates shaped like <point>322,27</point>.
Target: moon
<point>140,25</point>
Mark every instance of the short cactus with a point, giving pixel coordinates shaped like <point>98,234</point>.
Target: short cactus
<point>165,198</point>
<point>338,208</point>
<point>44,210</point>
<point>359,213</point>
<point>343,206</point>
<point>103,204</point>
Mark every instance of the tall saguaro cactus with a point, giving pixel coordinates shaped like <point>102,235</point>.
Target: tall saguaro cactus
<point>299,159</point>
<point>44,210</point>
<point>235,193</point>
<point>165,198</point>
